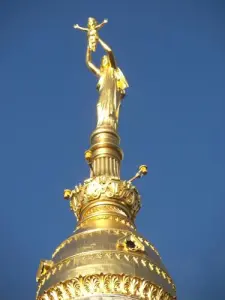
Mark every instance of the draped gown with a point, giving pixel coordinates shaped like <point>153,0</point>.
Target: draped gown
<point>110,96</point>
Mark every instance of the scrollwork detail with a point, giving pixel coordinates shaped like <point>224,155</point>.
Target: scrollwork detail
<point>103,187</point>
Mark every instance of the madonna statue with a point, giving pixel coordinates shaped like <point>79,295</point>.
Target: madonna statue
<point>111,87</point>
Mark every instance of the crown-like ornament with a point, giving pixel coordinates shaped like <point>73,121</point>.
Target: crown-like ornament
<point>121,193</point>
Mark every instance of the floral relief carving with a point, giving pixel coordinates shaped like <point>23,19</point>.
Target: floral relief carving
<point>105,284</point>
<point>103,187</point>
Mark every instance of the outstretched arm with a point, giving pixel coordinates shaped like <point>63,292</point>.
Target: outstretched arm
<point>89,63</point>
<point>79,27</point>
<point>110,53</point>
<point>99,26</point>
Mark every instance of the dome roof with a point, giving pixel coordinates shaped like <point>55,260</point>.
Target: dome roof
<point>108,251</point>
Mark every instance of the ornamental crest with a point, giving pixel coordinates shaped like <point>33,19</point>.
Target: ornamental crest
<point>104,188</point>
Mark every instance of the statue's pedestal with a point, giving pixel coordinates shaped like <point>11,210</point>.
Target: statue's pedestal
<point>106,153</point>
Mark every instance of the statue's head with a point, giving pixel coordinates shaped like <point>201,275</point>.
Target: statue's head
<point>105,62</point>
<point>92,22</point>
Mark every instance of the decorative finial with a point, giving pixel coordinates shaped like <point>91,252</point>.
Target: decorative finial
<point>143,170</point>
<point>67,194</point>
<point>88,156</point>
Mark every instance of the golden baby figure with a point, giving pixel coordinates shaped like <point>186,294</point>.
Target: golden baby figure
<point>92,31</point>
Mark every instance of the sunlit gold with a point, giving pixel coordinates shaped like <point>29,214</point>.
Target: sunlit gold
<point>130,243</point>
<point>67,194</point>
<point>44,267</point>
<point>112,83</point>
<point>143,170</point>
<point>118,284</point>
<point>111,86</point>
<point>92,31</point>
<point>88,155</point>
<point>105,255</point>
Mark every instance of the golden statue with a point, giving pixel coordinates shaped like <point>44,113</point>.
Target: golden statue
<point>92,31</point>
<point>112,83</point>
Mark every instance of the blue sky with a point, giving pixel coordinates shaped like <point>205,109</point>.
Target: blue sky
<point>172,53</point>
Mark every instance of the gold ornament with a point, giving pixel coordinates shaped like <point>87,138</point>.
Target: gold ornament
<point>105,254</point>
<point>84,286</point>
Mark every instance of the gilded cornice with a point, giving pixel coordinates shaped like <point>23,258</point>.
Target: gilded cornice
<point>112,284</point>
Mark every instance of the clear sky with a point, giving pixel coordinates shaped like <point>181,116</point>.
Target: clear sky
<point>173,55</point>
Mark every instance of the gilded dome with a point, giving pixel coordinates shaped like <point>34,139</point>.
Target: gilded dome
<point>87,252</point>
<point>107,246</point>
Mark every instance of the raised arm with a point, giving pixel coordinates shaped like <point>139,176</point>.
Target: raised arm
<point>89,63</point>
<point>110,53</point>
<point>99,26</point>
<point>76,26</point>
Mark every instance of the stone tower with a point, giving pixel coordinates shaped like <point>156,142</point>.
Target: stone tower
<point>105,257</point>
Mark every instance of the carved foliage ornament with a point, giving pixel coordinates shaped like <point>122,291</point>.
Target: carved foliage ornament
<point>104,188</point>
<point>105,284</point>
